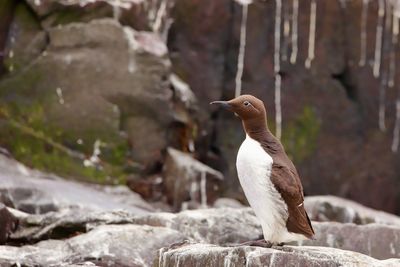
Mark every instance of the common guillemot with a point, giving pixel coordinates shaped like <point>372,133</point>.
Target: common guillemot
<point>268,177</point>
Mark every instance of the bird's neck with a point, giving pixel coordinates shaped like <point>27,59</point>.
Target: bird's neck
<point>258,130</point>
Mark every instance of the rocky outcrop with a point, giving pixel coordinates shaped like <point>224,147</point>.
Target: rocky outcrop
<point>131,108</point>
<point>375,240</point>
<point>209,255</point>
<point>188,182</point>
<point>338,113</point>
<point>216,226</point>
<point>82,234</point>
<point>331,208</point>
<point>108,245</point>
<point>36,192</point>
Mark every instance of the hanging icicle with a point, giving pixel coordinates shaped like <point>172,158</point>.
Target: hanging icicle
<point>395,37</point>
<point>385,78</point>
<point>295,12</point>
<point>378,41</point>
<point>286,32</point>
<point>382,104</point>
<point>161,13</point>
<point>277,68</point>
<point>363,40</point>
<point>242,48</point>
<point>395,34</point>
<point>396,131</point>
<point>116,10</point>
<point>311,36</point>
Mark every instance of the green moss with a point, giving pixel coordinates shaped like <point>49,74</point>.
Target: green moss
<point>33,141</point>
<point>300,135</point>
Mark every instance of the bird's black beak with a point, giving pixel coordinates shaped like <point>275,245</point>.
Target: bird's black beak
<point>224,104</point>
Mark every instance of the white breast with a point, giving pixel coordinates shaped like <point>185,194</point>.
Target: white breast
<point>254,167</point>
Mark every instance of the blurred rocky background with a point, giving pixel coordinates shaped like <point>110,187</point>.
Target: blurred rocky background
<point>106,128</point>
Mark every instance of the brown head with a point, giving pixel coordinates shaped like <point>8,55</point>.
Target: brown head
<point>250,109</point>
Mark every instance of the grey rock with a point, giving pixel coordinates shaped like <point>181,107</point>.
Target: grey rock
<point>138,14</point>
<point>135,114</point>
<point>36,192</point>
<point>227,225</point>
<point>45,7</point>
<point>187,179</point>
<point>216,226</point>
<point>227,203</point>
<point>209,255</point>
<point>332,208</point>
<point>65,223</point>
<point>375,240</point>
<point>8,223</point>
<point>108,245</point>
<point>26,39</point>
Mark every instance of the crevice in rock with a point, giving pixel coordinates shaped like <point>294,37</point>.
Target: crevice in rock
<point>344,76</point>
<point>344,79</point>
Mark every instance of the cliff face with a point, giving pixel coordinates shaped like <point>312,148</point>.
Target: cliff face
<point>325,69</point>
<point>337,116</point>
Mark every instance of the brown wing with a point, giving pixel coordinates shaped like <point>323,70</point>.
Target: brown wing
<point>287,183</point>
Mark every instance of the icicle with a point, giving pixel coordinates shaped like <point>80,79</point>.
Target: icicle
<point>203,190</point>
<point>132,46</point>
<point>286,33</point>
<point>293,55</point>
<point>242,47</point>
<point>152,10</point>
<point>363,41</point>
<point>311,37</point>
<point>60,96</point>
<point>378,41</point>
<point>382,107</point>
<point>384,81</point>
<point>396,131</point>
<point>395,35</point>
<point>278,108</point>
<point>11,55</point>
<point>116,10</point>
<point>277,68</point>
<point>161,12</point>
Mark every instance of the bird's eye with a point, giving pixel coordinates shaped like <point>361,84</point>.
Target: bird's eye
<point>246,103</point>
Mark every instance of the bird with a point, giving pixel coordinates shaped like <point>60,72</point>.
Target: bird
<point>268,177</point>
